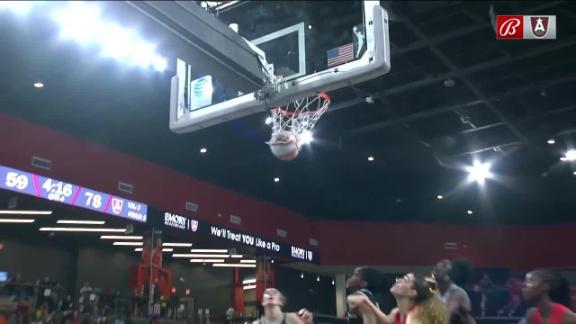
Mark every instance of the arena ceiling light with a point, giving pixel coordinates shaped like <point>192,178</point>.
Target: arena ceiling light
<point>120,237</point>
<point>167,250</point>
<point>185,255</point>
<point>233,265</point>
<point>25,212</point>
<point>249,287</point>
<point>176,244</point>
<point>209,250</point>
<point>206,260</point>
<point>569,156</point>
<point>128,243</point>
<point>249,281</point>
<point>83,22</point>
<point>247,261</point>
<point>16,221</point>
<point>479,172</point>
<point>138,249</point>
<point>82,229</point>
<point>237,256</point>
<point>80,222</point>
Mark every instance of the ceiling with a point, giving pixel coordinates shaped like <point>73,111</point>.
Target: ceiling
<point>454,94</point>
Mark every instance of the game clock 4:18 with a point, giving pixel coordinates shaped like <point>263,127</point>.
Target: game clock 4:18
<point>44,187</point>
<point>57,190</point>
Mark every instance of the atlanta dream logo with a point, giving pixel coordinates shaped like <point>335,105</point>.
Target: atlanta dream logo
<point>539,26</point>
<point>525,27</point>
<point>193,225</point>
<point>117,205</point>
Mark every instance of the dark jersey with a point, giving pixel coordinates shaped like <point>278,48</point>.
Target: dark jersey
<point>354,318</point>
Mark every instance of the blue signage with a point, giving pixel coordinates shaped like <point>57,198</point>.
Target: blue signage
<point>69,194</point>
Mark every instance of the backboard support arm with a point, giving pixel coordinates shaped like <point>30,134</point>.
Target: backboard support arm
<point>374,62</point>
<point>224,54</point>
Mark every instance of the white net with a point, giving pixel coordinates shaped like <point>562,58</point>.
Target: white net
<point>296,119</point>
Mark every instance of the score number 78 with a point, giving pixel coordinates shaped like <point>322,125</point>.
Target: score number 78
<point>94,200</point>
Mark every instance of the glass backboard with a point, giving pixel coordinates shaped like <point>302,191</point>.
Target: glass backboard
<point>305,47</point>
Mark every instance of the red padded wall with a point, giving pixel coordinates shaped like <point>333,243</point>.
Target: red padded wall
<point>340,243</point>
<point>99,168</point>
<point>411,244</point>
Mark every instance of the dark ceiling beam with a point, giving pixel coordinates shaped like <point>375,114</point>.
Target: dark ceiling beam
<point>520,120</point>
<point>412,117</point>
<point>346,104</point>
<point>454,74</point>
<point>234,6</point>
<point>465,31</point>
<point>206,41</point>
<point>568,13</point>
<point>570,41</point>
<point>443,109</point>
<point>479,20</point>
<point>421,7</point>
<point>473,68</point>
<point>481,128</point>
<point>473,88</point>
<point>495,148</point>
<point>548,113</point>
<point>517,121</point>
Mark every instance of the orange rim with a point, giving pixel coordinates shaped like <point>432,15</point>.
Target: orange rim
<point>322,95</point>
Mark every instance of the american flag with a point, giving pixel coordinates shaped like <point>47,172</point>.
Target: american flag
<point>339,55</point>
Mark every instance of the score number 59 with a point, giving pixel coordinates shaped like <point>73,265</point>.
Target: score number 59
<point>15,180</point>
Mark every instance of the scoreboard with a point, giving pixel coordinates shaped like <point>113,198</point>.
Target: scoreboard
<point>70,194</point>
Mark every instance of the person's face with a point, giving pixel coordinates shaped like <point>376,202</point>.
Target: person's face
<point>403,286</point>
<point>355,281</point>
<point>272,297</point>
<point>533,287</point>
<point>440,273</point>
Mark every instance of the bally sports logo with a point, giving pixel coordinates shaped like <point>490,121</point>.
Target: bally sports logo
<point>180,222</point>
<point>525,27</point>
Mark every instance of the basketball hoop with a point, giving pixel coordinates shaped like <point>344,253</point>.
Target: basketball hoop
<point>293,121</point>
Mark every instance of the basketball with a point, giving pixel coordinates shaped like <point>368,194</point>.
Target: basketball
<point>284,146</point>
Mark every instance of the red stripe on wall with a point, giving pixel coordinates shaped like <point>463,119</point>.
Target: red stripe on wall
<point>99,168</point>
<point>340,243</point>
<point>422,244</point>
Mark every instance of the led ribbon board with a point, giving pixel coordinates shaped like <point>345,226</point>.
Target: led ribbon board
<point>42,187</point>
<point>259,242</point>
<point>188,225</point>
